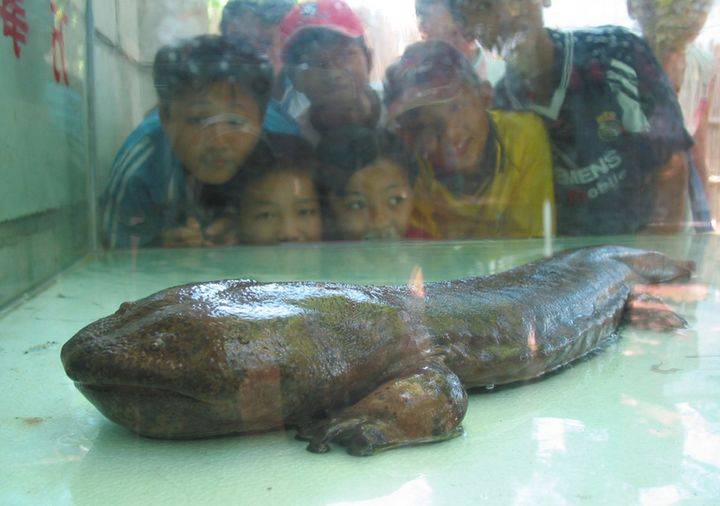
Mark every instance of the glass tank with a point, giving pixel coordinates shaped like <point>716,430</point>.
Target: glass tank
<point>359,252</point>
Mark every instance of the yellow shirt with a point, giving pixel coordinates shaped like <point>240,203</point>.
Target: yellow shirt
<point>513,203</point>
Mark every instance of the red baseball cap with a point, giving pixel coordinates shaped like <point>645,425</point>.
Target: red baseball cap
<point>333,15</point>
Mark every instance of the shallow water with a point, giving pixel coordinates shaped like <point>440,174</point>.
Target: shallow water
<point>638,423</point>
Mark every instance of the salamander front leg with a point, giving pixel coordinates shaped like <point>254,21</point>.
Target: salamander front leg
<point>647,312</point>
<point>422,407</point>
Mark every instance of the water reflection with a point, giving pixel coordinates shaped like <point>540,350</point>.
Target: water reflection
<point>660,496</point>
<point>702,436</point>
<point>550,434</point>
<point>415,493</point>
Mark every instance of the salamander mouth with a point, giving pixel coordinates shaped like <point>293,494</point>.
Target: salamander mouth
<point>154,412</point>
<point>133,391</point>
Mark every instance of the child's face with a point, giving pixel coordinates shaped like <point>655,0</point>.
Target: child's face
<point>260,33</point>
<point>376,205</point>
<point>334,74</point>
<point>450,135</point>
<point>496,22</point>
<point>213,132</point>
<point>436,23</point>
<point>280,207</point>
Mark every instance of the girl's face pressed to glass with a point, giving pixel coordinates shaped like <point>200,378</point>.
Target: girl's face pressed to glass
<point>376,204</point>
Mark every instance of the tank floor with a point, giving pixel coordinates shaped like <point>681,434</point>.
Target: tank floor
<point>639,423</point>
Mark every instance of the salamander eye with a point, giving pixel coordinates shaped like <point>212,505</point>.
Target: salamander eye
<point>396,200</point>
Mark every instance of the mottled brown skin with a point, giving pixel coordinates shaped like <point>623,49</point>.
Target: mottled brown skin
<point>368,367</point>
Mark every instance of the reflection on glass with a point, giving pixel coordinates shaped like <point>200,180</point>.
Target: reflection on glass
<point>579,132</point>
<point>702,441</point>
<point>667,495</point>
<point>405,124</point>
<point>416,492</point>
<point>167,182</point>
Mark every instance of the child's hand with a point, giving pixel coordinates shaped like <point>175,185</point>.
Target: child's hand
<point>222,232</point>
<point>189,236</point>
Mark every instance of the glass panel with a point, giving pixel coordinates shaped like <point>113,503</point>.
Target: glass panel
<point>44,197</point>
<point>233,230</point>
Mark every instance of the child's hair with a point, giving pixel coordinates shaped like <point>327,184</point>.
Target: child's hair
<point>194,64</point>
<point>422,5</point>
<point>268,11</point>
<point>277,153</point>
<point>349,149</point>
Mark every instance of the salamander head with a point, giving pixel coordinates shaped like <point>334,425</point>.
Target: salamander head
<point>172,366</point>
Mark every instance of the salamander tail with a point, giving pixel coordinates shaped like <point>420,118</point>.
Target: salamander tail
<point>655,267</point>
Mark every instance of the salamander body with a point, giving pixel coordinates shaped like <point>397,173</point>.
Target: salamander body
<point>368,367</point>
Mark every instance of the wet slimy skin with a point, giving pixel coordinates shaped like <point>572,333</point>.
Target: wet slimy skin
<point>367,367</point>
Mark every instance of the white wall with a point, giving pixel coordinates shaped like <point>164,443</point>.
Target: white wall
<point>128,34</point>
<point>44,189</point>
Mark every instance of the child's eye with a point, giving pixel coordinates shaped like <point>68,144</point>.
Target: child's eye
<point>350,53</point>
<point>396,200</point>
<point>307,212</point>
<point>264,216</point>
<point>356,205</point>
<point>195,120</point>
<point>416,128</point>
<point>429,131</point>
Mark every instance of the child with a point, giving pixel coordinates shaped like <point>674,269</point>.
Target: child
<point>212,93</point>
<point>481,174</point>
<point>670,29</point>
<point>366,183</point>
<point>328,63</point>
<point>280,204</point>
<point>611,114</point>
<point>436,22</point>
<point>257,22</point>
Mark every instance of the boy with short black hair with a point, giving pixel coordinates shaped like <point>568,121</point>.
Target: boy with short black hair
<point>328,62</point>
<point>212,93</point>
<point>366,178</point>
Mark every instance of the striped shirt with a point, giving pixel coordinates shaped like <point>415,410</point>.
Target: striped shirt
<point>614,122</point>
<point>147,192</point>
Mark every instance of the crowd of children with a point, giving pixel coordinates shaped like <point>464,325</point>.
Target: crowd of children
<point>272,132</point>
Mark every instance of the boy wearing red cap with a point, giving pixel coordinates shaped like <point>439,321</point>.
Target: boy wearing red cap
<point>327,61</point>
<point>482,174</point>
